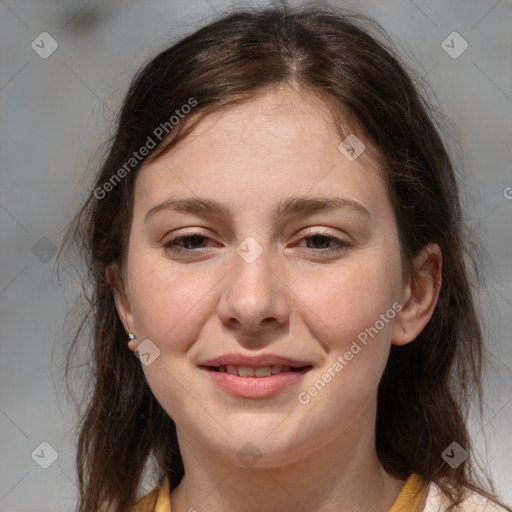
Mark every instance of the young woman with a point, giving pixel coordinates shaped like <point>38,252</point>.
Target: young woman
<point>283,312</point>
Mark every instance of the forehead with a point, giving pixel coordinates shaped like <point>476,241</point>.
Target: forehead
<point>282,140</point>
<point>279,117</point>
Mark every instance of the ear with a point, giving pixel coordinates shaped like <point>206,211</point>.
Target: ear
<point>115,280</point>
<point>419,295</point>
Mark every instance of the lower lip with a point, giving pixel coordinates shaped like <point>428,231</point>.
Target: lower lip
<point>255,387</point>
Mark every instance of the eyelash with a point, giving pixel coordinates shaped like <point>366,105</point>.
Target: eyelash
<point>168,246</point>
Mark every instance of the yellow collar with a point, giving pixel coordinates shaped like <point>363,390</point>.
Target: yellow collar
<point>411,496</point>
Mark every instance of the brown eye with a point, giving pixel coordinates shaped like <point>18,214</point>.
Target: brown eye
<point>323,240</point>
<point>188,243</point>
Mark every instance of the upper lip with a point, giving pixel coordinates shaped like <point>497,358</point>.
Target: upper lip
<point>254,361</point>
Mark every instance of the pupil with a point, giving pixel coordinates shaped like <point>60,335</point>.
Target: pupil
<point>191,239</point>
<point>317,239</point>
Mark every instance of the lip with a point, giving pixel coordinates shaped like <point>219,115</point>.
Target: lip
<point>254,361</point>
<point>255,387</point>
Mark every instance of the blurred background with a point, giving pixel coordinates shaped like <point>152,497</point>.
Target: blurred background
<point>65,66</point>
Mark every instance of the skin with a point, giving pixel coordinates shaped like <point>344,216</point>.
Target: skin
<point>294,300</point>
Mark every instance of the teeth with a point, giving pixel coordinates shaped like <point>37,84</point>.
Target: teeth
<point>232,370</point>
<point>249,371</point>
<point>264,371</point>
<point>246,371</point>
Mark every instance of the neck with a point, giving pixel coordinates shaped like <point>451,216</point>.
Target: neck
<point>344,475</point>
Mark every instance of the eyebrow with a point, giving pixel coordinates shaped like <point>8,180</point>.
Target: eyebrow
<point>296,205</point>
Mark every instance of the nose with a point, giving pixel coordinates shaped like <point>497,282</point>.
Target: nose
<point>254,303</point>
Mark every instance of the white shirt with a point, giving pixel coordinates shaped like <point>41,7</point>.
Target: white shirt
<point>437,502</point>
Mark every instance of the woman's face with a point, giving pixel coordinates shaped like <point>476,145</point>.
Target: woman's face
<point>285,284</point>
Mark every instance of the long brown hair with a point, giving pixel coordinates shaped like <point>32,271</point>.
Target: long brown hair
<point>348,60</point>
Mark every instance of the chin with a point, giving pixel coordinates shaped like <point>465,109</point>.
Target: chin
<point>257,449</point>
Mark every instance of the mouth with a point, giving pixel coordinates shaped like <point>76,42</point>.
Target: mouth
<point>259,371</point>
<point>254,377</point>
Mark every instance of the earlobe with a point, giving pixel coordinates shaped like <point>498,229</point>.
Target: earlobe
<point>419,296</point>
<point>120,297</point>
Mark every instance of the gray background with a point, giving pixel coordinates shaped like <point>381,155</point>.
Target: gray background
<point>56,111</point>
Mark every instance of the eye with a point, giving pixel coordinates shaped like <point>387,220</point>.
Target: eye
<point>190,240</point>
<point>324,240</point>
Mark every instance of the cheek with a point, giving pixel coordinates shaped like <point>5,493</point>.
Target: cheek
<point>166,300</point>
<point>341,304</point>
<point>351,313</point>
<point>167,308</point>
